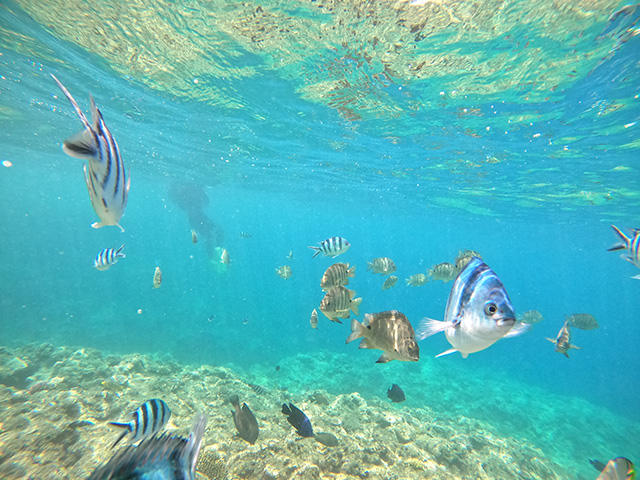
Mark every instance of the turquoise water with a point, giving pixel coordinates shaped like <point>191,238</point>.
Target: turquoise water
<point>412,131</point>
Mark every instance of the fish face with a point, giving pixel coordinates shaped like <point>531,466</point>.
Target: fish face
<point>411,351</point>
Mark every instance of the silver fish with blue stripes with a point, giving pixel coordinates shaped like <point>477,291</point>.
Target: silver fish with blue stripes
<point>478,314</point>
<point>331,247</point>
<point>631,244</point>
<point>104,173</point>
<point>107,257</point>
<point>163,457</point>
<point>147,420</point>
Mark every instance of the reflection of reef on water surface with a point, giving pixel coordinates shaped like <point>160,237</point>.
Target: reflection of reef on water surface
<point>57,402</point>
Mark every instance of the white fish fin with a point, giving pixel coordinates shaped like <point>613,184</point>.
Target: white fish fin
<point>192,448</point>
<point>551,339</point>
<point>73,102</point>
<point>574,347</point>
<point>102,224</point>
<point>81,145</point>
<point>428,327</point>
<point>518,329</point>
<point>317,249</point>
<point>626,241</point>
<point>450,351</point>
<point>384,358</point>
<point>357,330</point>
<point>636,277</point>
<point>119,253</point>
<point>355,305</point>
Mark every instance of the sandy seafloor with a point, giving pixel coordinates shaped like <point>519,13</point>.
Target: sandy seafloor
<point>56,402</point>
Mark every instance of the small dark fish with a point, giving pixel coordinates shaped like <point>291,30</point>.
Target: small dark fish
<point>244,235</point>
<point>258,389</point>
<point>298,420</point>
<point>277,368</point>
<point>39,387</point>
<point>583,321</point>
<point>619,468</point>
<point>245,320</point>
<point>148,419</point>
<point>165,457</point>
<point>245,421</point>
<point>396,394</point>
<point>326,439</point>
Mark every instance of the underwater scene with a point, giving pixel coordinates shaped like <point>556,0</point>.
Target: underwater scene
<point>319,239</point>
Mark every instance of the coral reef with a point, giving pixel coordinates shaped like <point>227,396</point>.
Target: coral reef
<point>61,431</point>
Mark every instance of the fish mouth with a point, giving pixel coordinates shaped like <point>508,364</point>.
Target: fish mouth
<point>506,321</point>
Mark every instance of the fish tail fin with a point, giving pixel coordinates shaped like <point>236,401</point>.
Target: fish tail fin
<point>125,426</point>
<point>119,252</point>
<point>357,330</point>
<point>428,327</point>
<point>317,249</point>
<point>192,448</point>
<point>355,305</point>
<point>626,241</point>
<point>369,266</point>
<point>235,401</point>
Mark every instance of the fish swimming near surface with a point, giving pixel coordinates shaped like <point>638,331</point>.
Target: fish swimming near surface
<point>336,275</point>
<point>331,247</point>
<point>382,265</point>
<point>389,282</point>
<point>619,468</point>
<point>162,457</point>
<point>417,280</point>
<point>338,302</point>
<point>396,394</point>
<point>157,278</point>
<point>298,420</point>
<point>563,340</point>
<point>388,331</point>
<point>107,257</point>
<point>530,317</point>
<point>148,419</point>
<point>104,173</point>
<point>443,271</point>
<point>245,421</point>
<point>314,319</point>
<point>631,244</point>
<point>583,321</point>
<point>194,237</point>
<point>478,313</point>
<point>284,272</point>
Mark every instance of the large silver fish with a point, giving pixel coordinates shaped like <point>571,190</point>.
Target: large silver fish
<point>105,176</point>
<point>631,244</point>
<point>478,313</point>
<point>157,458</point>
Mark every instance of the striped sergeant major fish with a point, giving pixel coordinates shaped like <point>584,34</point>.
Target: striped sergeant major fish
<point>331,247</point>
<point>107,257</point>
<point>148,419</point>
<point>629,243</point>
<point>105,176</point>
<point>163,457</point>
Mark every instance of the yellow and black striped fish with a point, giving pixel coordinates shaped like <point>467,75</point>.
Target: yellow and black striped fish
<point>106,178</point>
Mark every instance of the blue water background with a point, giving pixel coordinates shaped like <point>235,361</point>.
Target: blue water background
<point>278,180</point>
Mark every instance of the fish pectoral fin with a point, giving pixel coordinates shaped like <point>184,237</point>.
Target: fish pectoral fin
<point>450,351</point>
<point>428,327</point>
<point>550,339</point>
<point>574,347</point>
<point>518,329</point>
<point>81,145</point>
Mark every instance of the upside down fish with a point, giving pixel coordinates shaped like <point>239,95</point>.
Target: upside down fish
<point>105,176</point>
<point>478,313</point>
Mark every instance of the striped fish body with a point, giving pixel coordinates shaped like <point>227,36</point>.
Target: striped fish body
<point>104,173</point>
<point>107,257</point>
<point>148,419</point>
<point>338,302</point>
<point>336,275</point>
<point>389,282</point>
<point>383,266</point>
<point>629,243</point>
<point>444,271</point>
<point>331,247</point>
<point>563,340</point>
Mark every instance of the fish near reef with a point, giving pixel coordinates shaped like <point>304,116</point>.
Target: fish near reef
<point>619,468</point>
<point>478,314</point>
<point>107,257</point>
<point>336,275</point>
<point>563,340</point>
<point>245,421</point>
<point>105,176</point>
<point>389,331</point>
<point>396,394</point>
<point>148,419</point>
<point>326,439</point>
<point>338,302</point>
<point>162,457</point>
<point>298,420</point>
<point>331,247</point>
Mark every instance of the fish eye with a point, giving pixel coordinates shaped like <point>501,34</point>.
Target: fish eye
<point>490,309</point>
